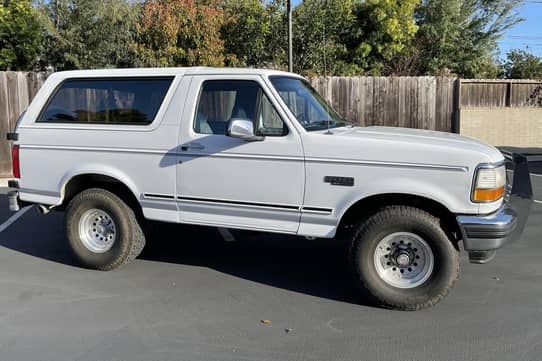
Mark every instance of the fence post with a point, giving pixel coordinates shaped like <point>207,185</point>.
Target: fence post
<point>456,117</point>
<point>508,99</point>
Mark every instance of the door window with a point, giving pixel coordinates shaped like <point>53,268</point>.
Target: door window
<point>221,101</point>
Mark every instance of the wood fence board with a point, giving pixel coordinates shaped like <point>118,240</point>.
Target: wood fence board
<point>5,153</point>
<point>525,94</point>
<point>367,100</point>
<point>13,98</point>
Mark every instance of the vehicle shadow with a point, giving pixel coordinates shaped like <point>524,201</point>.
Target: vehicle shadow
<point>314,267</point>
<point>38,236</point>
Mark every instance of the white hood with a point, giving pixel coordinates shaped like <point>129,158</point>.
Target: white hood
<point>402,145</point>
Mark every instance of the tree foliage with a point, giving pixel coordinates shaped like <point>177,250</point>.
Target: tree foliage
<point>382,30</point>
<point>180,33</point>
<point>87,33</point>
<point>520,64</point>
<point>459,37</point>
<point>320,28</point>
<point>245,32</point>
<point>336,37</point>
<point>277,38</point>
<point>20,35</point>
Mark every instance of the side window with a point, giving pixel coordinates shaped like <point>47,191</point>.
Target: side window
<point>223,100</point>
<point>107,101</point>
<point>268,121</point>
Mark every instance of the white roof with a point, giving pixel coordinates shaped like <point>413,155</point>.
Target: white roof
<point>170,72</point>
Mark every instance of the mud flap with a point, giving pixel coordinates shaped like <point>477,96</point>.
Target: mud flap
<point>519,194</point>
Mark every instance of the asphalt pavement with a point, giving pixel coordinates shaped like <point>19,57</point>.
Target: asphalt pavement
<point>193,296</point>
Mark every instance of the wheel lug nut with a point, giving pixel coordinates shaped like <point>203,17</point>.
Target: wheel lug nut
<point>409,269</point>
<point>388,263</point>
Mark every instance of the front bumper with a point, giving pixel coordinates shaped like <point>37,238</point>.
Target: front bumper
<point>482,235</point>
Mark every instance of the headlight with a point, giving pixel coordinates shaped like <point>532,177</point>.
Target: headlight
<point>489,183</point>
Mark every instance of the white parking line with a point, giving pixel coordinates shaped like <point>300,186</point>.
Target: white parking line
<point>537,201</point>
<point>13,218</point>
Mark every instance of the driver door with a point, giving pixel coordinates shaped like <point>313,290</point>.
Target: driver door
<point>230,182</point>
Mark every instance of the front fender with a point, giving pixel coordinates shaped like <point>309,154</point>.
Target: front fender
<point>452,198</point>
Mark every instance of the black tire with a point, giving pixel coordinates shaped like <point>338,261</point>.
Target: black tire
<point>129,240</point>
<point>387,221</point>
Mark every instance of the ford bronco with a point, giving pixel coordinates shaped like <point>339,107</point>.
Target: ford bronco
<point>261,150</point>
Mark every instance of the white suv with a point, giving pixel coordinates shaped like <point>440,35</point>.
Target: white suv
<point>260,150</point>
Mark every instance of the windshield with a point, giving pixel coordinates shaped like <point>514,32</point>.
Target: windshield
<point>310,109</point>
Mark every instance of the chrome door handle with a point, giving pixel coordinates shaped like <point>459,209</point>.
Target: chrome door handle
<point>192,146</point>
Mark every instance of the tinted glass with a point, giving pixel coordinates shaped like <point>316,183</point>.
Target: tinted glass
<point>268,121</point>
<point>220,101</point>
<point>108,101</point>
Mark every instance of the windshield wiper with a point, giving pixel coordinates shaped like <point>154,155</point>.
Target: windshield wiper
<point>324,124</point>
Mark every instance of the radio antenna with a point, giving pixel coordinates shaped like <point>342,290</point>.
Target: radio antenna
<point>325,66</point>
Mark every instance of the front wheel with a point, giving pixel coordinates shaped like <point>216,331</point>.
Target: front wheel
<point>403,259</point>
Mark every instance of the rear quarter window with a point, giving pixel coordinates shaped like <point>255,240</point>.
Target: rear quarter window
<point>133,101</point>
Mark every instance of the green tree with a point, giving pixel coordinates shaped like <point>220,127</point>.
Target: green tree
<point>320,28</point>
<point>459,37</point>
<point>382,30</point>
<point>88,33</point>
<point>276,41</point>
<point>245,31</point>
<point>521,64</point>
<point>180,33</point>
<point>20,35</point>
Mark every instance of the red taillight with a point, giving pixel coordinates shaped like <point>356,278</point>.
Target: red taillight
<point>15,160</point>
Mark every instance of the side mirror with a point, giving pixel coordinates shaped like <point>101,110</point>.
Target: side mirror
<point>242,129</point>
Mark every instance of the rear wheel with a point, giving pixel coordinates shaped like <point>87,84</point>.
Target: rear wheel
<point>403,259</point>
<point>103,230</point>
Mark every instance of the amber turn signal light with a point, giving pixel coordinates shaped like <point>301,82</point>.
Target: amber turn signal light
<point>488,195</point>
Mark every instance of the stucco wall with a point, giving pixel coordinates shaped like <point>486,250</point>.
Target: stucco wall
<point>520,127</point>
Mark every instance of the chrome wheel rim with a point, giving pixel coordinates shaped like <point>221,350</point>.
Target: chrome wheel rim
<point>403,260</point>
<point>97,230</point>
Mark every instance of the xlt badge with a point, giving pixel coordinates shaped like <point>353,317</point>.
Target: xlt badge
<point>339,181</point>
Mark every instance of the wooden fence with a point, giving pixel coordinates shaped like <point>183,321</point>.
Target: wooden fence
<point>415,102</point>
<point>16,91</point>
<point>498,93</point>
<point>502,112</point>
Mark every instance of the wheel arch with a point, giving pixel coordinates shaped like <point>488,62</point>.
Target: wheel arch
<point>86,180</point>
<point>367,206</point>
